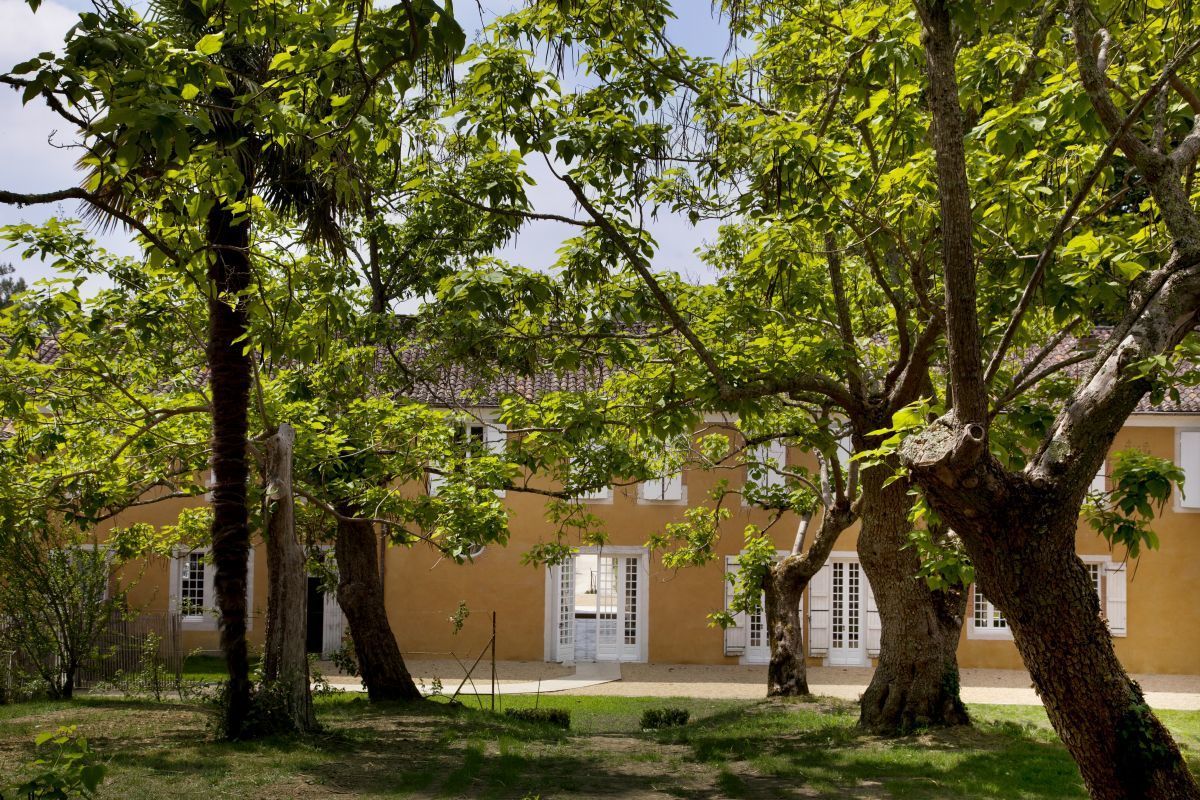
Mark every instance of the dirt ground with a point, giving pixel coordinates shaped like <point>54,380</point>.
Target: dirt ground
<point>992,686</point>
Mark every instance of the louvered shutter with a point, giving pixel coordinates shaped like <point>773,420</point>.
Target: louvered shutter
<point>1115,607</point>
<point>874,624</point>
<point>672,486</point>
<point>1189,461</point>
<point>495,439</point>
<point>819,590</point>
<point>735,635</point>
<point>1100,482</point>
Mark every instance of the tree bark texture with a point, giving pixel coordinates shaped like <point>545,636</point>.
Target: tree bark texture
<point>360,594</point>
<point>1025,562</point>
<point>229,382</point>
<point>787,672</point>
<point>783,589</point>
<point>916,681</point>
<point>285,660</point>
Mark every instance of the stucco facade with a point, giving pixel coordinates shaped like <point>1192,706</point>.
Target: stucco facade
<point>666,610</point>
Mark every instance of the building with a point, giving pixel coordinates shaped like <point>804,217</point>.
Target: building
<point>620,603</point>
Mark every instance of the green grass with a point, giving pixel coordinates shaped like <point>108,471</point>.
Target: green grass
<point>737,749</point>
<point>205,668</point>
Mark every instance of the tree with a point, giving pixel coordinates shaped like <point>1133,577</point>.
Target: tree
<point>9,286</point>
<point>55,601</point>
<point>177,128</point>
<point>1018,521</point>
<point>820,302</point>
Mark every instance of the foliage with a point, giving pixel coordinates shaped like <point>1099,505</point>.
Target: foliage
<point>1141,486</point>
<point>9,286</point>
<point>67,768</point>
<point>558,717</point>
<point>344,658</point>
<point>669,717</point>
<point>945,562</point>
<point>56,601</point>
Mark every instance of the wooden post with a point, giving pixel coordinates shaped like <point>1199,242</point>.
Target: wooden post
<point>493,661</point>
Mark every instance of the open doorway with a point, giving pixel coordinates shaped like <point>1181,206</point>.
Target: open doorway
<point>599,601</point>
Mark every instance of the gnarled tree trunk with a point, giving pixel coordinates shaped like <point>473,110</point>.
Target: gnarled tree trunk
<point>787,673</point>
<point>360,594</point>
<point>1021,538</point>
<point>285,660</point>
<point>916,682</point>
<point>783,589</point>
<point>229,382</point>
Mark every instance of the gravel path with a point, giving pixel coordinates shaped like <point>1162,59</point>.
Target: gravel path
<point>990,686</point>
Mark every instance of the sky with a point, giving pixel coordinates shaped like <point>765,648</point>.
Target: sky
<point>35,160</point>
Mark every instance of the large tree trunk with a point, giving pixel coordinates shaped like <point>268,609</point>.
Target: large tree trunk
<point>1025,562</point>
<point>787,673</point>
<point>916,682</point>
<point>285,660</point>
<point>783,587</point>
<point>360,593</point>
<point>229,382</point>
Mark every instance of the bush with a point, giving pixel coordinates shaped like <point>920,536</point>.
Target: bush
<point>65,767</point>
<point>655,718</point>
<point>559,717</point>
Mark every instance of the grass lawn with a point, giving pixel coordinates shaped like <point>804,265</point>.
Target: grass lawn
<point>210,669</point>
<point>730,749</point>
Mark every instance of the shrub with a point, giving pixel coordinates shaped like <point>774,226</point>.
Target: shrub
<point>65,767</point>
<point>559,717</point>
<point>55,603</point>
<point>344,657</point>
<point>655,718</point>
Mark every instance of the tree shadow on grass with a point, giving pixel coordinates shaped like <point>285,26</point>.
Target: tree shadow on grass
<point>829,756</point>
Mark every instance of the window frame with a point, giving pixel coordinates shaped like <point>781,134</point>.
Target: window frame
<point>208,620</point>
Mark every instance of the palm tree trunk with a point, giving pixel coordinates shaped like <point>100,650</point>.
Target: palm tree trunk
<point>360,594</point>
<point>229,382</point>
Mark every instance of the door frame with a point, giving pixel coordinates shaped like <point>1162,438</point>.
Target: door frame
<point>550,606</point>
<point>863,610</point>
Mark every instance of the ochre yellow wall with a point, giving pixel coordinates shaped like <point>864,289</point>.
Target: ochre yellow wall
<point>423,591</point>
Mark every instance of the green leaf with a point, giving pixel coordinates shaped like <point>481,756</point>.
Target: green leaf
<point>210,44</point>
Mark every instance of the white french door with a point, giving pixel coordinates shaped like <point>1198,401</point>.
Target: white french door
<point>758,644</point>
<point>599,611</point>
<point>847,615</point>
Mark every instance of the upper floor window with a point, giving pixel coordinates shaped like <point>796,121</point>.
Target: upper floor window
<point>766,464</point>
<point>476,439</point>
<point>666,487</point>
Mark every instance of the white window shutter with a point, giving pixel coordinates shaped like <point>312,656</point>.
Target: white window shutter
<point>668,487</point>
<point>495,437</point>
<point>1189,461</point>
<point>672,486</point>
<point>173,581</point>
<point>1116,606</point>
<point>874,624</point>
<point>435,483</point>
<point>776,452</point>
<point>1100,482</point>
<point>819,590</point>
<point>845,451</point>
<point>735,635</point>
